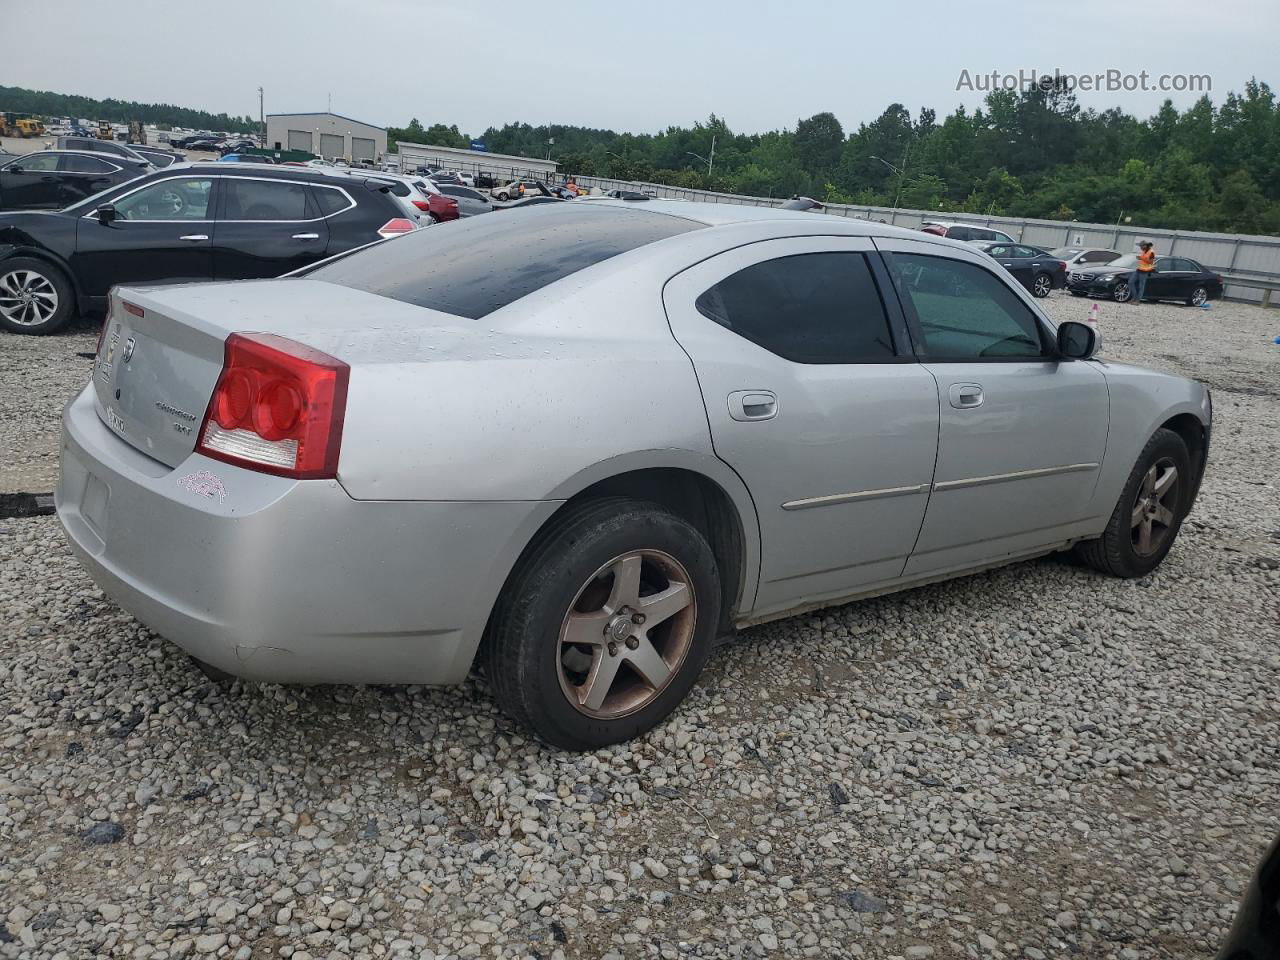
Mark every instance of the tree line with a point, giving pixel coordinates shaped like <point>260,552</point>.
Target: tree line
<point>1033,153</point>
<point>45,103</point>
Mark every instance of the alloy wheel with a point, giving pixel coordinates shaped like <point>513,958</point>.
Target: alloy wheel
<point>1155,508</point>
<point>1199,296</point>
<point>1121,292</point>
<point>27,298</point>
<point>1043,286</point>
<point>626,634</point>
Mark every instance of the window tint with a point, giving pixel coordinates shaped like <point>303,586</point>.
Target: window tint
<point>1100,256</point>
<point>1027,252</point>
<point>36,162</point>
<point>480,264</point>
<point>960,233</point>
<point>330,200</point>
<point>71,163</point>
<point>177,199</point>
<point>264,199</point>
<point>963,310</point>
<point>460,192</point>
<point>1001,250</point>
<point>1186,265</point>
<point>809,308</point>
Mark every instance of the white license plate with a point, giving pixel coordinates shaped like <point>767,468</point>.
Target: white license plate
<point>115,421</point>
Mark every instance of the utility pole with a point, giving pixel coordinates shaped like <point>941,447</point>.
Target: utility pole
<point>711,159</point>
<point>262,118</point>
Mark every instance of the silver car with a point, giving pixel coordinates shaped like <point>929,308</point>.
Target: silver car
<point>657,423</point>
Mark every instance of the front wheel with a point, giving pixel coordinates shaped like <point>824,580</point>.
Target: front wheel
<point>504,197</point>
<point>1042,286</point>
<point>605,624</point>
<point>1149,513</point>
<point>1198,296</point>
<point>1121,293</point>
<point>34,296</point>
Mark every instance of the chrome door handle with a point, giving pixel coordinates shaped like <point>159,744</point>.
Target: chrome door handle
<point>966,395</point>
<point>753,405</point>
<point>193,237</point>
<point>306,236</point>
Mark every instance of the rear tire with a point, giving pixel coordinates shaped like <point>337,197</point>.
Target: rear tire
<point>1125,549</point>
<point>1198,296</point>
<point>638,588</point>
<point>1042,285</point>
<point>35,296</point>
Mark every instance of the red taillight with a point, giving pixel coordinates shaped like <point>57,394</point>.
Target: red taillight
<point>421,204</point>
<point>278,407</point>
<point>395,227</point>
<point>1062,265</point>
<point>133,308</point>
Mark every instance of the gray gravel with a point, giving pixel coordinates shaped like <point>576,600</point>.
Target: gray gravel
<point>1030,763</point>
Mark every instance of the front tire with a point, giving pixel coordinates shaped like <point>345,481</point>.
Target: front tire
<point>605,624</point>
<point>1121,293</point>
<point>35,297</point>
<point>1042,286</point>
<point>1149,513</point>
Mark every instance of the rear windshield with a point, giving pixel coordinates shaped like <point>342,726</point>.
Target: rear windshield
<point>473,267</point>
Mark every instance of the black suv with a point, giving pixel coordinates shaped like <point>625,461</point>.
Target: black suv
<point>50,179</point>
<point>94,145</point>
<point>190,222</point>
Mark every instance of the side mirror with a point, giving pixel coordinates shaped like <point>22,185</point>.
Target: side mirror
<point>106,213</point>
<point>1077,341</point>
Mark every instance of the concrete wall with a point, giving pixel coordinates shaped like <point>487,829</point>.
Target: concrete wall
<point>279,125</point>
<point>1243,255</point>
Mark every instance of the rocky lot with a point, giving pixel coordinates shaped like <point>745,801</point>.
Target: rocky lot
<point>1036,762</point>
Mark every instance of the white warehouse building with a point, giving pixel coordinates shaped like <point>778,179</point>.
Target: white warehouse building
<point>328,135</point>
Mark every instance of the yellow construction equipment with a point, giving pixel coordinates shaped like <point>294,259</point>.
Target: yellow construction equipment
<point>28,127</point>
<point>106,131</point>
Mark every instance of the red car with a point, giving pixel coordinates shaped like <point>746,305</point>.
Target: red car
<point>965,231</point>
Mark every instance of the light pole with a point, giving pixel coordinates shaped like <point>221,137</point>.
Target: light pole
<point>707,160</point>
<point>262,119</point>
<point>900,171</point>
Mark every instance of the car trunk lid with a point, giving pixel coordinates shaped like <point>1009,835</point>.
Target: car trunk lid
<point>163,347</point>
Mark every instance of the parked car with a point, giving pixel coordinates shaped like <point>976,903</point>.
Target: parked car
<point>445,176</point>
<point>1082,258</point>
<point>964,231</point>
<point>421,199</point>
<point>236,145</point>
<point>1175,278</point>
<point>51,179</point>
<point>244,158</point>
<point>204,221</point>
<point>470,202</point>
<point>429,460</point>
<point>94,145</point>
<point>1037,270</point>
<point>1255,933</point>
<point>518,188</point>
<point>204,144</point>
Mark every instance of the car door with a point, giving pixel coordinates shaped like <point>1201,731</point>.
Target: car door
<point>267,227</point>
<point>1166,281</point>
<point>162,232</point>
<point>1021,433</point>
<point>812,396</point>
<point>1187,275</point>
<point>83,176</point>
<point>30,182</point>
<point>1007,255</point>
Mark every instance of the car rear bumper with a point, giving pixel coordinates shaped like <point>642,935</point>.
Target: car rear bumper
<point>291,581</point>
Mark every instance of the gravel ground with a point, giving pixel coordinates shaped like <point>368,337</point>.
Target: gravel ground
<point>1034,762</point>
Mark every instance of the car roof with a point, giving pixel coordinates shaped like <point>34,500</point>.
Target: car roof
<point>270,171</point>
<point>96,154</point>
<point>723,214</point>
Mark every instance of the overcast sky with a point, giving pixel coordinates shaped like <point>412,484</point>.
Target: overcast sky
<point>636,66</point>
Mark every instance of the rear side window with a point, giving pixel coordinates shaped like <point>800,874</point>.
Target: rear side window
<point>330,200</point>
<point>75,164</point>
<point>963,311</point>
<point>482,264</point>
<point>960,233</point>
<point>807,308</point>
<point>263,199</point>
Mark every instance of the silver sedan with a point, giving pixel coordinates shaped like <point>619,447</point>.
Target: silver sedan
<point>659,422</point>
